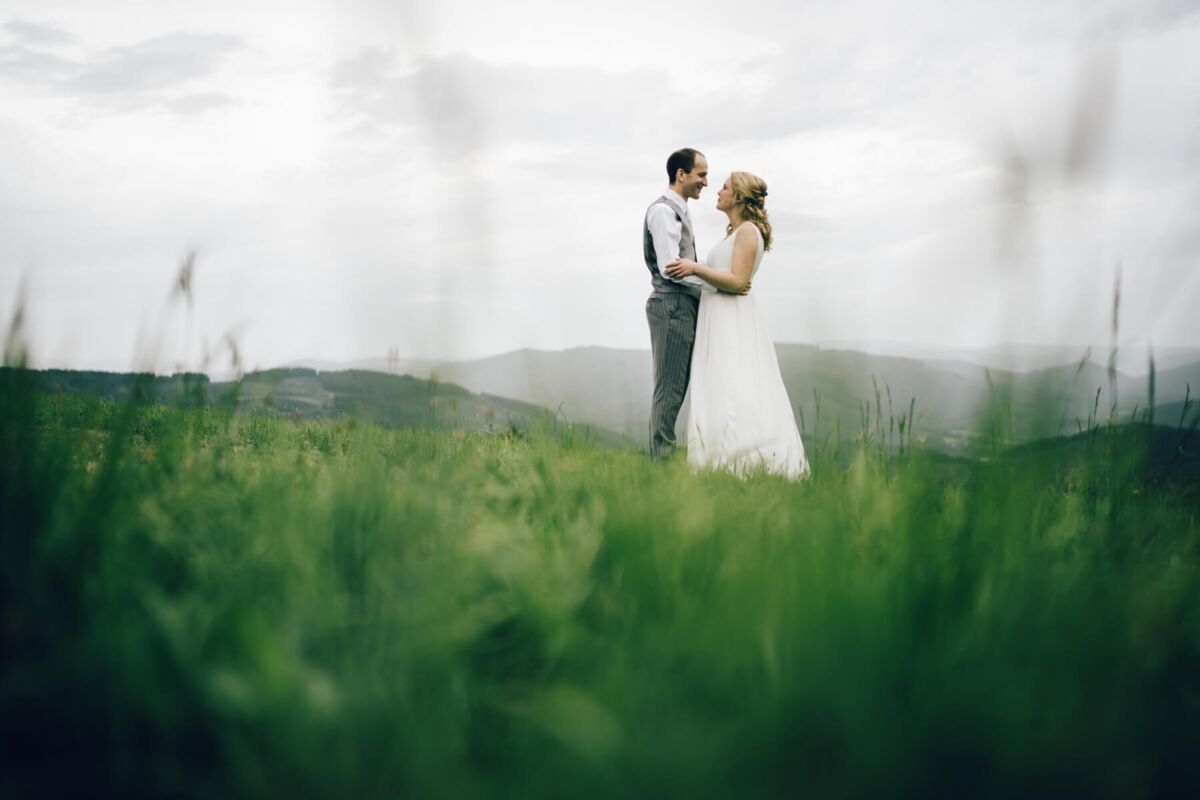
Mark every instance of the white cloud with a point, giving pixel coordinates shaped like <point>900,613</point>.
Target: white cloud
<point>34,34</point>
<point>154,65</point>
<point>159,72</point>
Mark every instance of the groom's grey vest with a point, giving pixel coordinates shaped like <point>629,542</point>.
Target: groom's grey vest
<point>687,249</point>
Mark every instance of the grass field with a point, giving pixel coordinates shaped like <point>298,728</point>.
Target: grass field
<point>203,604</point>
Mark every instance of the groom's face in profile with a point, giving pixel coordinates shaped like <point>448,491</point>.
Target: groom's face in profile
<point>692,183</point>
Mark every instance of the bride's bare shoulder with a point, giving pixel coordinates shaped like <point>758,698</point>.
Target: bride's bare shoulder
<point>746,230</point>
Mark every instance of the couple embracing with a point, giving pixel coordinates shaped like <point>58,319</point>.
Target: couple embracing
<point>707,335</point>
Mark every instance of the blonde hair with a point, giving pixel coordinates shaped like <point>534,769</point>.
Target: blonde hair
<point>750,192</point>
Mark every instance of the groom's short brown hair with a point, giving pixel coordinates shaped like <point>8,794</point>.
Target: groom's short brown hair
<point>684,159</point>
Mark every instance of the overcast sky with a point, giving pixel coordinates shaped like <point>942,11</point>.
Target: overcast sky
<point>453,179</point>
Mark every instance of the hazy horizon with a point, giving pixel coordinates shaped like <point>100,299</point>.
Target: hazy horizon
<point>1013,356</point>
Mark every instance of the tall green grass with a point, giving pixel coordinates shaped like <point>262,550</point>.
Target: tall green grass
<point>203,604</point>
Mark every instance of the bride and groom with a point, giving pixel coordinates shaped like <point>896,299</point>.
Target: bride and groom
<point>707,335</point>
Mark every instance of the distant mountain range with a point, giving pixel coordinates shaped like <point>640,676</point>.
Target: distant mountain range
<point>834,390</point>
<point>1131,359</point>
<point>603,394</point>
<point>398,401</point>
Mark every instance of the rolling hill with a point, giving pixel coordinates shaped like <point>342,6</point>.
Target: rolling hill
<point>396,401</point>
<point>961,408</point>
<point>835,390</point>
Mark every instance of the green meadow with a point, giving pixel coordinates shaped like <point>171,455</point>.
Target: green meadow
<point>200,602</point>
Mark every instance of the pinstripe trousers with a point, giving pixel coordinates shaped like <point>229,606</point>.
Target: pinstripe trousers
<point>672,318</point>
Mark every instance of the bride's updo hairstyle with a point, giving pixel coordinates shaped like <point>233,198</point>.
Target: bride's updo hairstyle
<point>750,191</point>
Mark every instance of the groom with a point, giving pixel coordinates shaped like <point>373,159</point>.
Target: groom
<point>673,304</point>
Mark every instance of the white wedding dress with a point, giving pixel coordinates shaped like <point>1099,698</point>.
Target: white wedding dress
<point>739,415</point>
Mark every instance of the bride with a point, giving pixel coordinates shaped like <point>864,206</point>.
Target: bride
<point>740,417</point>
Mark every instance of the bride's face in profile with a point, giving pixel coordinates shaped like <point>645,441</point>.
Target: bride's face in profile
<point>725,199</point>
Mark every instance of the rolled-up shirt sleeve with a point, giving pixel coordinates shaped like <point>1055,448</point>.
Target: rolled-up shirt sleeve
<point>666,231</point>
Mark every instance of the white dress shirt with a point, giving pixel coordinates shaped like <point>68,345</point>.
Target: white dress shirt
<point>666,231</point>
